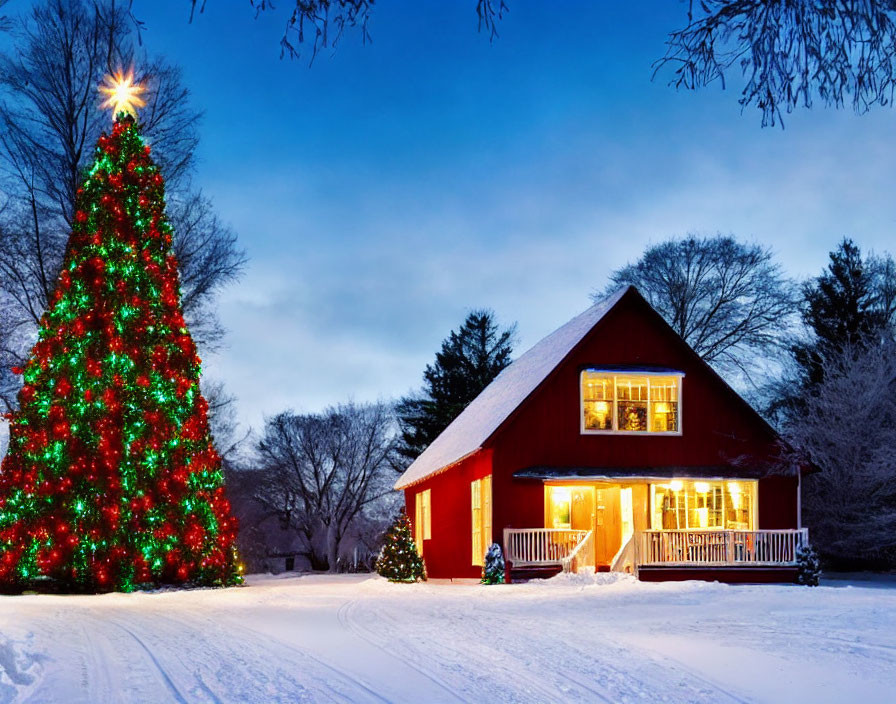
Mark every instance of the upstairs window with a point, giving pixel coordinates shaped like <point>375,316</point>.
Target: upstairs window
<point>631,402</point>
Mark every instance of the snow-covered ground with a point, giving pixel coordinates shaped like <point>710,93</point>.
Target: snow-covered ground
<point>361,639</point>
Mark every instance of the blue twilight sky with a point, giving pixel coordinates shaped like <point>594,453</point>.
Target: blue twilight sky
<point>390,188</point>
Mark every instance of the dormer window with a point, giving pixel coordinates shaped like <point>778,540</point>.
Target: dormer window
<point>631,401</point>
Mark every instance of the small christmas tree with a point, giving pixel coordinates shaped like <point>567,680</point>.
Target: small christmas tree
<point>808,566</point>
<point>493,569</point>
<point>111,480</point>
<point>399,560</point>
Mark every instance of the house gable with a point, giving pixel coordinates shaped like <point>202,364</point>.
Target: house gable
<point>622,330</point>
<point>718,428</point>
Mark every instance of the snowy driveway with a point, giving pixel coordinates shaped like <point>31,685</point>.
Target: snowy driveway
<point>357,639</point>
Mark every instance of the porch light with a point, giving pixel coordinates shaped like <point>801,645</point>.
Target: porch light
<point>676,485</point>
<point>701,487</point>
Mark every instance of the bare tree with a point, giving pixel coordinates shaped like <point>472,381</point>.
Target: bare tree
<point>49,122</point>
<point>790,52</point>
<point>883,283</point>
<point>845,427</point>
<point>323,474</point>
<point>324,22</point>
<point>727,300</point>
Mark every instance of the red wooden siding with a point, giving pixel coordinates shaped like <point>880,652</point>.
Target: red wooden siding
<point>448,552</point>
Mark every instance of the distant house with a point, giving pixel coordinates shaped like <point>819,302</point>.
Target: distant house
<point>610,445</point>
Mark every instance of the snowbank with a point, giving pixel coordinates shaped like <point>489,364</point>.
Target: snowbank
<point>362,639</point>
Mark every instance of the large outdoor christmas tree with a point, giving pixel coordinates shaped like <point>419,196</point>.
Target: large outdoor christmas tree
<point>111,480</point>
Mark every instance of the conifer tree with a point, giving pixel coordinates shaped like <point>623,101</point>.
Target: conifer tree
<point>111,480</point>
<point>469,359</point>
<point>841,308</point>
<point>399,560</point>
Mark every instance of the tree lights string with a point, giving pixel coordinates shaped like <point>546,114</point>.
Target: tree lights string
<point>111,480</point>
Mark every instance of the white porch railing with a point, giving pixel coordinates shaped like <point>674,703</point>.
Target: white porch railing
<point>688,548</point>
<point>581,556</point>
<point>537,547</point>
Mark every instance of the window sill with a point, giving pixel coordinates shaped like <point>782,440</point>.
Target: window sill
<point>640,433</point>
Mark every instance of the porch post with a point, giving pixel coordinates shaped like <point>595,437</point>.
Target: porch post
<point>799,498</point>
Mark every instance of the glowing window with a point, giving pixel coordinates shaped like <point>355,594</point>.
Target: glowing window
<point>423,519</point>
<point>703,505</point>
<point>631,403</point>
<point>561,507</point>
<point>481,514</point>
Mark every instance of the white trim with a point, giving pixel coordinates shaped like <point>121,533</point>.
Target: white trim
<point>640,433</point>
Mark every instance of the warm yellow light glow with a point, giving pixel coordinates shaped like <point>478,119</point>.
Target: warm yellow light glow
<point>734,493</point>
<point>701,487</point>
<point>602,407</point>
<point>703,517</point>
<point>676,485</point>
<point>124,94</point>
<point>661,407</point>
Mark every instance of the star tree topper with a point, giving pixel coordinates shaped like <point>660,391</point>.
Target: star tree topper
<point>124,94</point>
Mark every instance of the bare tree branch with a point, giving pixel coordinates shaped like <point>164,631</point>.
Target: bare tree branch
<point>790,52</point>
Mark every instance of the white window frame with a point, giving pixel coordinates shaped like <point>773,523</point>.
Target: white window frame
<point>627,373</point>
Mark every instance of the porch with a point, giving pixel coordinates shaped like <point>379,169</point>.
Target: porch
<point>656,528</point>
<point>679,552</point>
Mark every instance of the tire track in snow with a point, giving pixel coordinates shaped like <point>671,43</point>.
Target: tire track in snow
<point>651,684</point>
<point>534,683</point>
<point>166,678</point>
<point>346,676</point>
<point>212,622</point>
<point>342,615</point>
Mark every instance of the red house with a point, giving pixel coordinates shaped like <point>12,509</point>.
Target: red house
<point>609,445</point>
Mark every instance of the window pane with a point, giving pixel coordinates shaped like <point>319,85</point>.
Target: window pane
<point>669,507</point>
<point>631,403</point>
<point>597,395</point>
<point>704,504</point>
<point>560,502</point>
<point>739,497</point>
<point>664,404</point>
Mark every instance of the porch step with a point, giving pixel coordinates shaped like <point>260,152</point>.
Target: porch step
<point>524,574</point>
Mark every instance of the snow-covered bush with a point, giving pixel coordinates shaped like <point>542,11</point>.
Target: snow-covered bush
<point>808,566</point>
<point>493,570</point>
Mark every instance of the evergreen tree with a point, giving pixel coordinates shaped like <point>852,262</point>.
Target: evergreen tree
<point>808,566</point>
<point>470,358</point>
<point>841,308</point>
<point>111,480</point>
<point>399,560</point>
<point>493,569</point>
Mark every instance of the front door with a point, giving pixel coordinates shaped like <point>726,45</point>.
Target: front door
<point>608,528</point>
<point>582,508</point>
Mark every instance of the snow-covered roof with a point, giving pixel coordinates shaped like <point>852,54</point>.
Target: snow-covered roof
<point>470,430</point>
